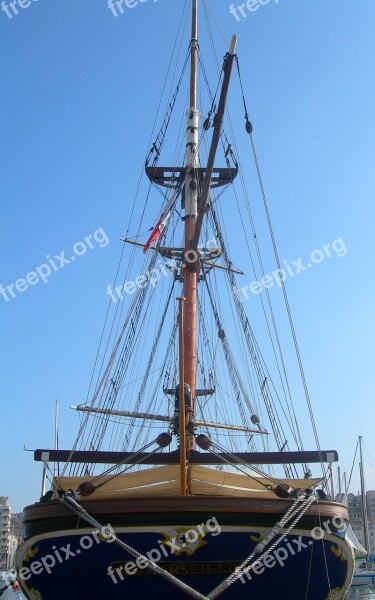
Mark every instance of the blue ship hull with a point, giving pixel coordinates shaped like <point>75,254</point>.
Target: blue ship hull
<point>76,563</point>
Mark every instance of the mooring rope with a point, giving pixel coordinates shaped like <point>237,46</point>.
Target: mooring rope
<point>297,510</point>
<point>245,567</point>
<point>70,503</point>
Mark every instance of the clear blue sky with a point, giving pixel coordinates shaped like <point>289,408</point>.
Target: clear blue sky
<point>79,89</point>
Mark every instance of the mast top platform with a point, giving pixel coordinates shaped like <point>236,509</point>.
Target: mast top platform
<point>169,176</point>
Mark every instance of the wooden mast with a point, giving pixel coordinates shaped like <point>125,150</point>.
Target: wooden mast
<point>182,419</point>
<point>191,212</point>
<point>195,210</point>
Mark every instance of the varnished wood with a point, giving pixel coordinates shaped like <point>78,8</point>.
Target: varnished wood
<point>164,511</point>
<point>182,414</point>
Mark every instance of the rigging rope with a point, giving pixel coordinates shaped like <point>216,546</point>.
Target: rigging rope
<point>252,345</point>
<point>72,505</point>
<point>149,366</point>
<point>245,567</point>
<point>293,424</point>
<point>135,308</point>
<point>249,130</point>
<point>159,141</point>
<point>237,382</point>
<point>351,473</point>
<point>207,444</point>
<point>296,512</point>
<point>177,38</point>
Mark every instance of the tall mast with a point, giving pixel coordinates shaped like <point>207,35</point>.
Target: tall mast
<point>195,198</point>
<point>196,195</point>
<point>181,399</point>
<point>194,56</point>
<point>191,212</point>
<point>364,500</point>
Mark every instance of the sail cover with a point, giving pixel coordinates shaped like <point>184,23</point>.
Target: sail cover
<point>166,481</point>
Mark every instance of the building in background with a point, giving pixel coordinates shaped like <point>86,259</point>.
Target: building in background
<point>16,526</point>
<point>17,530</point>
<point>5,534</point>
<point>354,503</point>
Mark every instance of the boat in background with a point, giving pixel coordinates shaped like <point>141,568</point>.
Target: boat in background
<point>363,592</point>
<point>364,575</point>
<point>182,481</point>
<point>9,586</point>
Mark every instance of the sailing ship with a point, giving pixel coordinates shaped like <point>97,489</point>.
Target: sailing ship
<point>182,481</point>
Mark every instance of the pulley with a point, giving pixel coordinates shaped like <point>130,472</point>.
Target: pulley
<point>203,442</point>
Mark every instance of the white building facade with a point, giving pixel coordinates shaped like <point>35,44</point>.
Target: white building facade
<point>5,537</point>
<point>356,518</point>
